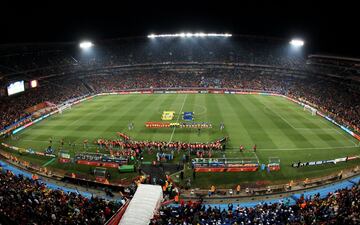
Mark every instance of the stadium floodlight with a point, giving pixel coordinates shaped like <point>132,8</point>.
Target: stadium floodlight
<point>86,45</point>
<point>297,42</point>
<point>189,35</point>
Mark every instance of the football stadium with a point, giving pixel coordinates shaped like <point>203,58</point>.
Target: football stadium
<point>178,128</point>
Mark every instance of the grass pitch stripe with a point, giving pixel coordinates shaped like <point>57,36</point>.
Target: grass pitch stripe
<point>323,121</point>
<point>303,119</point>
<point>347,136</point>
<point>177,120</point>
<point>297,138</point>
<point>285,120</point>
<point>49,162</point>
<point>251,122</point>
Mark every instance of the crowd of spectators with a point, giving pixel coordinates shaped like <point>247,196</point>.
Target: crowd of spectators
<point>13,108</point>
<point>340,207</point>
<point>337,100</point>
<point>106,68</point>
<point>141,50</point>
<point>25,201</point>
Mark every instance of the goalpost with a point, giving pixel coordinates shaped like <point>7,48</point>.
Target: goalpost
<point>64,107</point>
<point>312,110</point>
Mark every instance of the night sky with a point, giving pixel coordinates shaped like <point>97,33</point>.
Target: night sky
<point>327,28</point>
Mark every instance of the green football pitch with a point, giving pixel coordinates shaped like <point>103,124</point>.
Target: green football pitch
<point>278,127</point>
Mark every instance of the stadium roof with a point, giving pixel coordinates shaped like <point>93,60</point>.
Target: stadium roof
<point>142,206</point>
<point>334,57</point>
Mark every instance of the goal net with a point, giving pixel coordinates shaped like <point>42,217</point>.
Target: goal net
<point>310,109</point>
<point>61,108</point>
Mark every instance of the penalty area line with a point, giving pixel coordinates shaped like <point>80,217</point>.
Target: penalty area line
<point>257,158</point>
<point>344,135</point>
<point>331,125</point>
<point>49,162</point>
<point>177,120</point>
<point>285,120</point>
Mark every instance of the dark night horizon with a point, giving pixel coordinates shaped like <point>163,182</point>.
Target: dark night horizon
<point>330,29</point>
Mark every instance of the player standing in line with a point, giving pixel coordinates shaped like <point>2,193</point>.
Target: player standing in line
<point>85,143</point>
<point>73,146</point>
<point>222,126</point>
<point>241,148</point>
<point>254,148</point>
<point>62,143</point>
<point>131,126</point>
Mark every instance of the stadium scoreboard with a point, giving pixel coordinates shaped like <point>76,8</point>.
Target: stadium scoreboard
<point>15,87</point>
<point>34,83</point>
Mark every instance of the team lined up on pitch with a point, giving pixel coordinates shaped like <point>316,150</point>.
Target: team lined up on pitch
<point>128,143</point>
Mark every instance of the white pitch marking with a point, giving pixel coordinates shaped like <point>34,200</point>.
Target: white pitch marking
<point>348,137</point>
<point>182,106</point>
<point>342,133</point>
<point>297,149</point>
<point>257,158</point>
<point>286,121</point>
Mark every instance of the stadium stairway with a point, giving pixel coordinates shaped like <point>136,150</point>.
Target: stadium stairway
<point>88,86</point>
<point>52,185</point>
<point>159,172</point>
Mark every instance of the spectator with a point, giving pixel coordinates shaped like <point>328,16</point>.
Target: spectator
<point>25,201</point>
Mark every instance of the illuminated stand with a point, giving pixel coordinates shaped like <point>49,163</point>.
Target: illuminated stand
<point>274,163</point>
<point>225,164</point>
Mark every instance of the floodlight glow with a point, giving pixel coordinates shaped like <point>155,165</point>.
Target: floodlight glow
<point>189,35</point>
<point>297,42</point>
<point>86,44</point>
<point>33,83</point>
